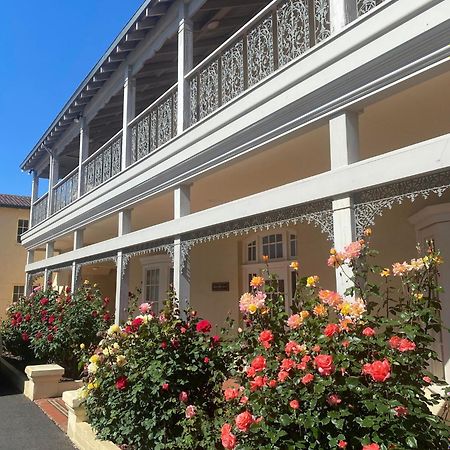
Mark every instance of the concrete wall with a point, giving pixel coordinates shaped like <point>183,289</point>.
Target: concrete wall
<point>12,255</point>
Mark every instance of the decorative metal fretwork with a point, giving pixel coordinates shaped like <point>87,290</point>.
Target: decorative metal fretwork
<point>371,203</point>
<point>154,247</point>
<point>293,30</point>
<point>155,126</point>
<point>66,191</point>
<point>260,62</point>
<point>272,39</point>
<point>232,71</point>
<point>103,164</point>
<point>319,214</point>
<point>39,210</point>
<point>366,5</point>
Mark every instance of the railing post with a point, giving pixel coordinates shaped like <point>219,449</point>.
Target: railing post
<point>342,12</point>
<point>28,277</point>
<point>34,195</point>
<point>129,110</point>
<point>185,63</point>
<point>53,179</point>
<point>83,153</point>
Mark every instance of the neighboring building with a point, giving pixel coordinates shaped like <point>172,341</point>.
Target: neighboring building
<point>213,132</point>
<point>14,216</point>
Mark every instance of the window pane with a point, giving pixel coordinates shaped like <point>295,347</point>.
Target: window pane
<point>279,250</point>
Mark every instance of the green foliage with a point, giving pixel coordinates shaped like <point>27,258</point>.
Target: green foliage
<point>50,326</point>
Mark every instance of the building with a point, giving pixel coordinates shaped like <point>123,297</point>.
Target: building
<point>14,215</point>
<point>213,132</point>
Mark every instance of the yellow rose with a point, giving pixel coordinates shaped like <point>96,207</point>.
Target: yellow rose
<point>252,308</point>
<point>94,359</point>
<point>82,346</point>
<point>121,360</point>
<point>114,329</point>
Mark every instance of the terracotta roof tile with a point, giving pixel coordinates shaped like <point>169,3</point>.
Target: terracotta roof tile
<point>14,201</point>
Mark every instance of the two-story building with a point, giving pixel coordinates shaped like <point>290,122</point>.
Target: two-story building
<point>213,132</point>
<point>14,218</point>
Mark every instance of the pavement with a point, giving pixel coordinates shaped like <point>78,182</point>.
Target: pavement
<point>23,426</point>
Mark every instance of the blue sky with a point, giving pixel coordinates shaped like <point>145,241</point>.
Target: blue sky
<point>47,48</point>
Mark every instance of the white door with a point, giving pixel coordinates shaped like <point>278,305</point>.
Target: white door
<point>157,277</point>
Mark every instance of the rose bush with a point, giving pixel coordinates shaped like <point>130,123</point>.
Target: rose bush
<point>50,326</point>
<point>335,373</point>
<point>155,382</point>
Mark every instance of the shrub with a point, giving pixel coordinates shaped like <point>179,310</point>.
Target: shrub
<point>333,374</point>
<point>155,382</point>
<point>49,326</point>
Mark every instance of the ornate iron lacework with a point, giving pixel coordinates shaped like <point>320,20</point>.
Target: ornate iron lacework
<point>322,20</point>
<point>209,89</point>
<point>293,30</point>
<point>156,247</point>
<point>371,203</point>
<point>366,5</point>
<point>319,214</point>
<point>232,71</point>
<point>260,51</point>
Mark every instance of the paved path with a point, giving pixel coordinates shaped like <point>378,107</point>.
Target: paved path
<point>23,426</point>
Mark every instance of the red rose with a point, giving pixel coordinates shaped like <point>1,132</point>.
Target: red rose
<point>342,444</point>
<point>94,313</point>
<point>294,404</point>
<point>394,342</point>
<point>27,317</point>
<point>106,317</point>
<point>50,337</point>
<point>272,384</point>
<point>206,360</point>
<point>401,411</point>
<point>369,332</point>
<point>287,364</point>
<point>215,339</point>
<point>165,386</point>
<point>257,383</point>
<point>175,343</point>
<point>307,378</point>
<point>136,323</point>
<point>406,345</point>
<point>163,345</point>
<point>228,438</point>
<point>25,337</point>
<point>203,326</point>
<point>183,397</point>
<point>334,400</point>
<point>379,370</point>
<point>282,375</point>
<point>244,420</point>
<point>43,301</point>
<point>371,447</point>
<point>324,364</point>
<point>265,338</point>
<point>51,319</point>
<point>259,363</point>
<point>331,329</point>
<point>121,383</point>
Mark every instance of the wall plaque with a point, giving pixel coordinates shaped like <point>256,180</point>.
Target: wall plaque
<point>218,286</point>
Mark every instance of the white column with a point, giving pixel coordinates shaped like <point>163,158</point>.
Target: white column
<point>433,222</point>
<point>342,12</point>
<point>34,193</point>
<point>78,239</point>
<point>185,64</point>
<point>74,277</point>
<point>122,289</point>
<point>53,179</point>
<point>122,271</point>
<point>181,281</point>
<point>129,110</point>
<point>344,150</point>
<point>28,286</point>
<point>83,153</point>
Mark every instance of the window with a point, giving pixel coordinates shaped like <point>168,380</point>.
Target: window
<point>18,292</point>
<point>272,246</point>
<point>157,276</point>
<point>22,227</point>
<point>251,251</point>
<point>151,287</point>
<point>292,245</point>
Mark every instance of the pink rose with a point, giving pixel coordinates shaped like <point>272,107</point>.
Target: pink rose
<point>183,397</point>
<point>334,400</point>
<point>294,404</point>
<point>228,438</point>
<point>371,447</point>
<point>369,332</point>
<point>144,308</point>
<point>191,411</point>
<point>307,378</point>
<point>405,345</point>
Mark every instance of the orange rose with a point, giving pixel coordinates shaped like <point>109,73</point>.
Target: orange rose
<point>324,364</point>
<point>244,420</point>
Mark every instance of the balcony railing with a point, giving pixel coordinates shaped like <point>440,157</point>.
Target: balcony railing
<point>39,210</point>
<point>66,191</point>
<point>366,5</point>
<point>103,164</point>
<point>279,33</point>
<point>155,126</point>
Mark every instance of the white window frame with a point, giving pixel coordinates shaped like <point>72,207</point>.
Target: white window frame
<point>164,264</point>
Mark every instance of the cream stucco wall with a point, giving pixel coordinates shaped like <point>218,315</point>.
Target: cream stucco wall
<point>12,255</point>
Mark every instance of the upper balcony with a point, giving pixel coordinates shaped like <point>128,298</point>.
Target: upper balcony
<point>274,35</point>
